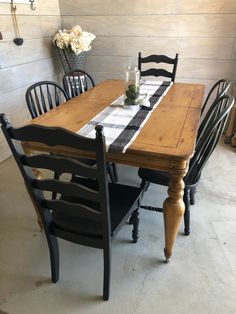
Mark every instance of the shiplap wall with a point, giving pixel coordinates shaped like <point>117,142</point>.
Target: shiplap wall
<point>203,32</point>
<point>21,66</point>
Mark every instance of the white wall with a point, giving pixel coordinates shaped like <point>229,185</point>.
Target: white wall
<point>21,66</point>
<point>203,32</point>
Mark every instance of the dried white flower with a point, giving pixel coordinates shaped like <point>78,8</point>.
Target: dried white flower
<point>73,39</point>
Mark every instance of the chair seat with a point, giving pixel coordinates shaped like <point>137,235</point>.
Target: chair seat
<point>121,198</point>
<point>163,178</point>
<point>154,176</point>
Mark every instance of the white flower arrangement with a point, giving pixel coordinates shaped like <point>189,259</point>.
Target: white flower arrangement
<point>73,40</point>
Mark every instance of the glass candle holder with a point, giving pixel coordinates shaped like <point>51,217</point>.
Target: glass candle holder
<point>132,81</point>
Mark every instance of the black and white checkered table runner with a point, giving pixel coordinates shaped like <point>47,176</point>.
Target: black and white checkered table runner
<point>122,125</point>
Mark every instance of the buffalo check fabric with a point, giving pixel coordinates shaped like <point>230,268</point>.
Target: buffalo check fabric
<point>121,125</point>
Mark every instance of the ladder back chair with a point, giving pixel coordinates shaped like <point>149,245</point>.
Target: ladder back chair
<point>207,139</point>
<point>88,210</point>
<point>44,96</point>
<point>158,71</point>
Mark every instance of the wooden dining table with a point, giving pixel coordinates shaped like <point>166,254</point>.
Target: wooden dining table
<point>166,142</point>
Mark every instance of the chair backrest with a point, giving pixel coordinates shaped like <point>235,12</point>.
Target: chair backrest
<point>44,96</point>
<point>219,89</point>
<point>81,201</point>
<point>159,71</point>
<point>76,82</point>
<point>209,136</point>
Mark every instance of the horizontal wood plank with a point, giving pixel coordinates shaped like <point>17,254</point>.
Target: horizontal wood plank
<point>119,7</point>
<point>161,25</point>
<point>30,26</point>
<point>22,75</point>
<point>198,47</point>
<point>43,8</point>
<point>27,52</point>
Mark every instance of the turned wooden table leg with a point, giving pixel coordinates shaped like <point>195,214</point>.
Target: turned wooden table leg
<point>173,212</point>
<point>38,174</point>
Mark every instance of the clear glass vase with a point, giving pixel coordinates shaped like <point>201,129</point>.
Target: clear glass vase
<point>132,81</point>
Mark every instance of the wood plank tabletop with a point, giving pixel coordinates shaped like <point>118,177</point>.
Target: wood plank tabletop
<point>168,136</point>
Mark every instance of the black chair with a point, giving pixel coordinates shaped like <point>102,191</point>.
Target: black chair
<point>207,139</point>
<point>44,96</point>
<point>76,82</point>
<point>219,89</point>
<point>89,211</point>
<point>158,72</point>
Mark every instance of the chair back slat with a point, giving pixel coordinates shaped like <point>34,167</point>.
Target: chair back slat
<point>159,71</point>
<point>74,210</point>
<point>43,96</point>
<point>60,165</point>
<point>57,96</point>
<point>33,106</point>
<point>49,97</point>
<point>86,83</point>
<point>52,137</point>
<point>43,103</point>
<point>38,106</point>
<point>158,59</point>
<point>76,82</point>
<point>69,189</point>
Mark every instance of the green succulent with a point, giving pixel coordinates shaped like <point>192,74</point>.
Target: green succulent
<point>132,94</point>
<point>133,88</point>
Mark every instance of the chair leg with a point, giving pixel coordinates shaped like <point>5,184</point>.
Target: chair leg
<point>187,212</point>
<point>106,273</point>
<point>192,196</point>
<point>130,222</point>
<point>114,168</point>
<point>144,185</point>
<point>135,221</point>
<point>111,172</point>
<point>56,177</point>
<point>54,257</point>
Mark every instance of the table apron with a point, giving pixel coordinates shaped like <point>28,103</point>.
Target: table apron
<point>163,163</point>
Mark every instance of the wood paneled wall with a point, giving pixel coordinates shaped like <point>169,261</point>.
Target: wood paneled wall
<point>21,66</point>
<point>203,32</point>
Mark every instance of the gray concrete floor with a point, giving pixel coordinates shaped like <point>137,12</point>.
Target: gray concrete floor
<point>200,278</point>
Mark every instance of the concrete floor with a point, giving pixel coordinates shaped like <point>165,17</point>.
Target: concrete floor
<point>200,278</point>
